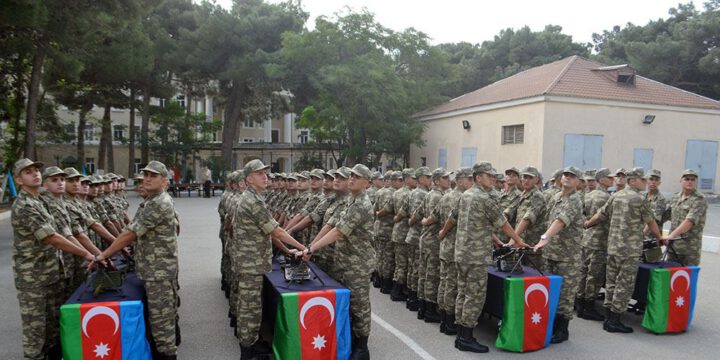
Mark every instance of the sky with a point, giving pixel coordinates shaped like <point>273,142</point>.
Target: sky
<point>475,21</point>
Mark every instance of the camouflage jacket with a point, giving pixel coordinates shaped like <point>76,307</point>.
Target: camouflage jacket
<point>356,252</point>
<point>252,225</point>
<point>692,208</point>
<point>103,215</point>
<point>658,204</point>
<point>383,225</point>
<point>627,213</point>
<point>400,229</point>
<point>429,237</point>
<point>334,212</point>
<point>531,207</point>
<point>508,201</point>
<point>35,263</point>
<point>313,199</point>
<point>565,244</point>
<point>478,217</point>
<point>595,237</point>
<point>448,203</point>
<point>156,253</point>
<point>415,209</point>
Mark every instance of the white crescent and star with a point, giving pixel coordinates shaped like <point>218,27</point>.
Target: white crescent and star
<point>100,310</point>
<point>679,274</point>
<point>317,301</point>
<point>536,287</point>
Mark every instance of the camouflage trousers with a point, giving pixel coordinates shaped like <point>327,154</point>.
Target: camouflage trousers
<point>162,311</point>
<point>471,291</point>
<point>620,282</point>
<point>402,251</point>
<point>360,313</point>
<point>386,257</point>
<point>447,289</point>
<point>429,274</point>
<point>570,271</point>
<point>40,317</point>
<point>249,308</point>
<point>413,266</point>
<point>592,273</point>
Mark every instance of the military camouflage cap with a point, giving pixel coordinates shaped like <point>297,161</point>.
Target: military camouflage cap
<point>589,174</point>
<point>376,175</point>
<point>106,179</point>
<point>24,163</point>
<point>291,177</point>
<point>138,176</point>
<point>483,167</point>
<point>556,174</point>
<point>271,176</point>
<point>87,179</point>
<point>239,175</point>
<point>388,175</point>
<point>230,177</point>
<point>572,170</point>
<point>513,169</point>
<point>331,173</point>
<point>689,172</point>
<point>621,171</point>
<point>464,172</point>
<point>120,177</point>
<point>636,172</point>
<point>72,173</point>
<point>654,172</point>
<point>156,167</point>
<point>601,173</point>
<point>408,172</point>
<point>317,173</point>
<point>362,171</point>
<point>343,172</point>
<point>423,171</point>
<point>253,166</point>
<point>112,176</point>
<point>440,172</point>
<point>305,175</point>
<point>52,171</point>
<point>530,170</point>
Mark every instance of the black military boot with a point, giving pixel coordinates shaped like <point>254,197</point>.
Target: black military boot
<point>261,347</point>
<point>247,353</point>
<point>375,280</point>
<point>450,327</point>
<point>360,349</point>
<point>561,332</point>
<point>466,342</point>
<point>178,337</point>
<point>413,304</point>
<point>614,325</point>
<point>589,312</point>
<point>431,313</point>
<point>396,293</point>
<point>385,286</point>
<point>421,309</point>
<point>580,308</point>
<point>55,353</point>
<point>233,321</point>
<point>443,317</point>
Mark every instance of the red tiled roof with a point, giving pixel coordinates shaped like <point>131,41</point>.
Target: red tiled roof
<point>577,77</point>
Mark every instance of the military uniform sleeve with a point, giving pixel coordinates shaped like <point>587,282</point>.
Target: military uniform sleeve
<point>567,213</point>
<point>647,212</point>
<point>494,214</point>
<point>534,211</point>
<point>35,219</point>
<point>353,217</point>
<point>152,215</point>
<point>606,210</point>
<point>261,217</point>
<point>698,210</point>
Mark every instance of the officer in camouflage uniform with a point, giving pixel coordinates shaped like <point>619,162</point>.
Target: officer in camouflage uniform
<point>594,249</point>
<point>416,213</point>
<point>529,214</point>
<point>383,230</point>
<point>429,272</point>
<point>627,212</point>
<point>478,217</point>
<point>687,213</point>
<point>656,199</point>
<point>447,212</point>
<point>154,232</point>
<point>562,254</point>
<point>36,266</point>
<point>400,289</point>
<point>353,235</point>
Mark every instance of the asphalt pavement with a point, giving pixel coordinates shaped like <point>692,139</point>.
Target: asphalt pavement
<point>396,333</point>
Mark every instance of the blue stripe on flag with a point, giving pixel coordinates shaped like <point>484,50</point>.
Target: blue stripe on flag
<point>695,272</point>
<point>342,323</point>
<point>132,329</point>
<point>11,184</point>
<point>555,287</point>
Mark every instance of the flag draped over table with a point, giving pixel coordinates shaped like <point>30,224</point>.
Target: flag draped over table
<point>671,299</point>
<point>529,313</point>
<point>313,325</point>
<point>104,330</point>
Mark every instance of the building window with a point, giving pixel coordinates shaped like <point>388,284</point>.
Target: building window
<point>442,158</point>
<point>90,132</point>
<point>275,136</point>
<point>423,161</point>
<point>248,140</point>
<point>162,103</point>
<point>70,129</point>
<point>137,131</point>
<point>250,123</point>
<point>118,133</point>
<point>513,134</point>
<point>304,136</point>
<point>90,165</point>
<point>137,166</point>
<point>181,100</point>
<point>469,156</point>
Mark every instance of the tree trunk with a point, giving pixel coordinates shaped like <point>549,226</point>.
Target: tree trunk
<point>230,127</point>
<point>33,100</point>
<point>17,143</point>
<point>131,135</point>
<point>82,122</point>
<point>144,141</point>
<point>105,138</point>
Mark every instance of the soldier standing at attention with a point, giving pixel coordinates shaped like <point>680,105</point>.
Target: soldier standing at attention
<point>657,201</point>
<point>478,217</point>
<point>36,267</point>
<point>530,213</point>
<point>415,211</point>
<point>687,213</point>
<point>627,213</point>
<point>620,179</point>
<point>555,186</point>
<point>353,235</point>
<point>594,249</point>
<point>383,231</point>
<point>400,290</point>
<point>562,254</point>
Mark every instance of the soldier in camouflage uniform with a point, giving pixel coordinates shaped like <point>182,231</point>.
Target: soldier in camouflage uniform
<point>555,186</point>
<point>312,199</point>
<point>627,212</point>
<point>376,183</point>
<point>230,186</point>
<point>562,254</point>
<point>447,212</point>
<point>687,213</point>
<point>594,249</point>
<point>620,179</point>
<point>383,230</point>
<point>95,197</point>
<point>36,267</point>
<point>478,217</point>
<point>334,204</point>
<point>80,209</point>
<point>510,195</point>
<point>400,289</point>
<point>154,232</point>
<point>529,214</point>
<point>353,235</point>
<point>415,213</point>
<point>653,195</point>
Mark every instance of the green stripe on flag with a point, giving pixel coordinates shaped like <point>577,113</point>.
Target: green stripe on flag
<point>512,330</point>
<point>71,331</point>
<point>286,342</point>
<point>656,312</point>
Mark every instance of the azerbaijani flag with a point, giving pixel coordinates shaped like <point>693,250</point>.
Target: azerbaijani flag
<point>11,184</point>
<point>313,325</point>
<point>104,330</point>
<point>529,313</point>
<point>671,299</point>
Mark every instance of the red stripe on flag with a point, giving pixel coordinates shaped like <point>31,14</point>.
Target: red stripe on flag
<point>316,317</point>
<point>679,299</point>
<point>100,331</point>
<point>537,306</point>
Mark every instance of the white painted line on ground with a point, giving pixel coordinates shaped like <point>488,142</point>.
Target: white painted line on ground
<point>404,338</point>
